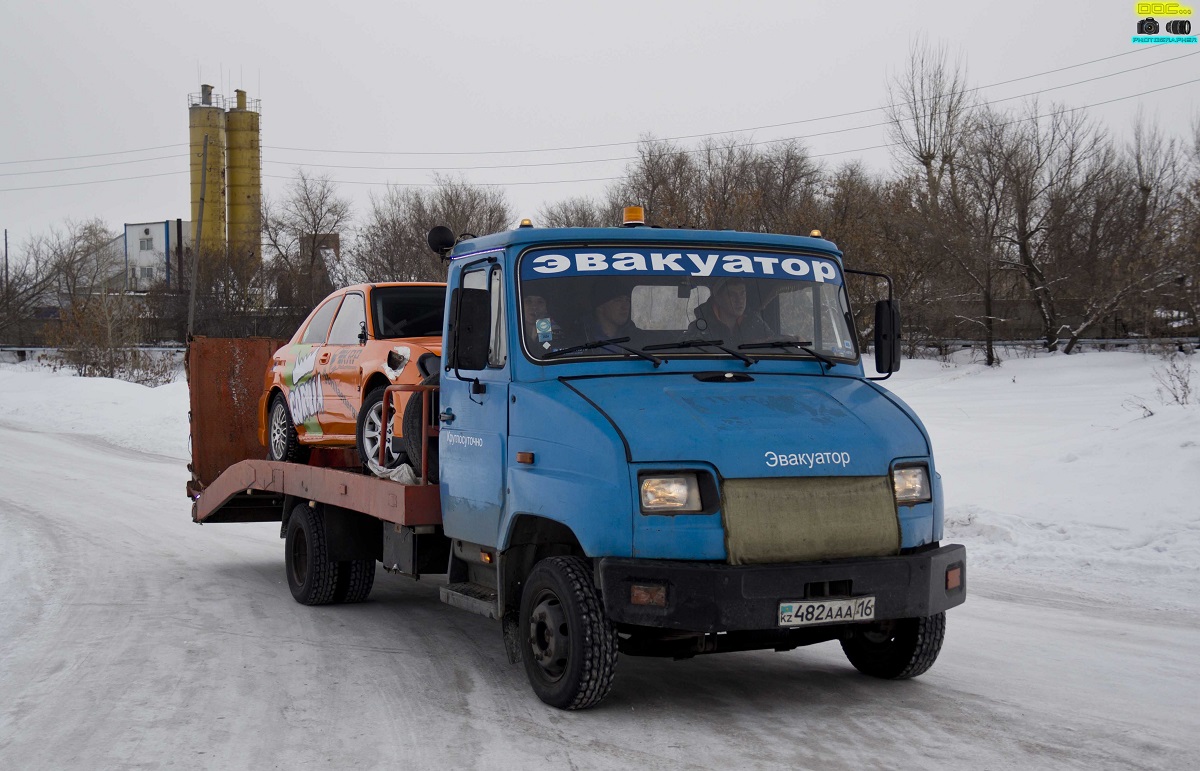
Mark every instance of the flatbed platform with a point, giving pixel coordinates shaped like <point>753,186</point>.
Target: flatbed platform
<point>253,491</point>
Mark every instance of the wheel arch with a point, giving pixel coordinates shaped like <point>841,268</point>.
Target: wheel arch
<point>532,538</point>
<point>264,412</point>
<point>373,381</point>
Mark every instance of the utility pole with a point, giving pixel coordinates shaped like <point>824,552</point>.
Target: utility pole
<point>196,240</point>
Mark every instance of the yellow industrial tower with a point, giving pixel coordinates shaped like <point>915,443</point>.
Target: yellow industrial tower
<point>206,117</point>
<point>245,185</point>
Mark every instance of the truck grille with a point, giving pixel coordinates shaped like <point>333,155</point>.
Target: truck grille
<point>804,519</point>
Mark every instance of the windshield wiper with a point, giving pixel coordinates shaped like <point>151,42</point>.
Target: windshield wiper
<point>801,344</point>
<point>614,341</point>
<point>702,343</point>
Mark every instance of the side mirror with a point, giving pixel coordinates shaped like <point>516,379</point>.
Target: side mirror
<point>362,333</point>
<point>471,317</point>
<point>887,336</point>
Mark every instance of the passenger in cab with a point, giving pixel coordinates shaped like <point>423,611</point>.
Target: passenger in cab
<point>610,312</point>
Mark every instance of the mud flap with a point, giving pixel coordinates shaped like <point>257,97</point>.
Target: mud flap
<point>512,637</point>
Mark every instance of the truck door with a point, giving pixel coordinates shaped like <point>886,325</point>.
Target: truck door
<point>472,446</point>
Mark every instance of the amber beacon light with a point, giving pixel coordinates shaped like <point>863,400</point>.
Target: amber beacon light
<point>633,215</point>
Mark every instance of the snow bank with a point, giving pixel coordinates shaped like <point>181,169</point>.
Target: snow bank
<point>153,420</point>
<point>1056,477</point>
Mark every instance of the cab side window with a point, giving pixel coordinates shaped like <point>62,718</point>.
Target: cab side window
<point>492,281</point>
<point>349,321</point>
<point>315,333</point>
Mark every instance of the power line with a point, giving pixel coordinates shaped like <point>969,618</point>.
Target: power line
<point>813,155</point>
<point>831,132</point>
<point>711,133</point>
<point>93,166</point>
<point>92,182</point>
<point>95,155</point>
<point>610,144</point>
<point>605,179</point>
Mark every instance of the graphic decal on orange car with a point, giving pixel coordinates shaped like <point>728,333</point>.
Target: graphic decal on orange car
<point>306,398</point>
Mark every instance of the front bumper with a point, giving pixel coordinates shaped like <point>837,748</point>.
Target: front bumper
<point>715,597</point>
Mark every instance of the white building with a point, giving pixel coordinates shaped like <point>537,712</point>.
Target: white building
<point>152,254</point>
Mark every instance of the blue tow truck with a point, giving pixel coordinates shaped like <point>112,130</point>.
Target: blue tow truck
<point>648,441</point>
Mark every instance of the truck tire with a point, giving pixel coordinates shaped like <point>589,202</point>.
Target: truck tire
<point>311,576</point>
<point>369,431</point>
<point>411,429</point>
<point>896,650</point>
<point>568,645</point>
<point>354,581</point>
<point>283,443</point>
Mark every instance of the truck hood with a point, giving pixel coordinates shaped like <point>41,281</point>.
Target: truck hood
<point>772,425</point>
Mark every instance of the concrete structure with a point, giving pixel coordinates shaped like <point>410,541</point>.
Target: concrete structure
<point>244,179</point>
<point>231,177</point>
<point>206,119</point>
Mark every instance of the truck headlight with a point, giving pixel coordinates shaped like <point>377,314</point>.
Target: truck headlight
<point>674,493</point>
<point>911,484</point>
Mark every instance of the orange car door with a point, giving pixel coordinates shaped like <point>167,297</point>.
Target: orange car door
<point>305,393</point>
<point>339,367</point>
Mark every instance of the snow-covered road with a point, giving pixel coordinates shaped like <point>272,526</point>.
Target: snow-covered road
<point>132,638</point>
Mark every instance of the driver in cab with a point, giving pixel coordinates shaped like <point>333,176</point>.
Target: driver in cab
<point>724,316</point>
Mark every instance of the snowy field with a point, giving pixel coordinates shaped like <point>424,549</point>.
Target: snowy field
<point>132,638</point>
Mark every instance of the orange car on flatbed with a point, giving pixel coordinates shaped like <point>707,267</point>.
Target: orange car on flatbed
<point>325,388</point>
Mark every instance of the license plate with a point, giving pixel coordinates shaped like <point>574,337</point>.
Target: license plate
<point>826,611</point>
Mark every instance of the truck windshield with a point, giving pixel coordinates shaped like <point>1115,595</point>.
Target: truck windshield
<point>668,301</point>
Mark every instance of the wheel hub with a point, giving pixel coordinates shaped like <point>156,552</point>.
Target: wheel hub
<point>278,431</point>
<point>372,432</point>
<point>548,635</point>
<point>299,557</point>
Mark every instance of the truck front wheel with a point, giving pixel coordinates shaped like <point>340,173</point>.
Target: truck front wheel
<point>896,650</point>
<point>568,645</point>
<point>311,576</point>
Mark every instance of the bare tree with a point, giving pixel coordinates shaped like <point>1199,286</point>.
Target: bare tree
<point>302,234</point>
<point>663,181</point>
<point>928,108</point>
<point>725,183</point>
<point>578,212</point>
<point>1124,239</point>
<point>981,207</point>
<point>31,280</point>
<point>1049,167</point>
<point>391,244</point>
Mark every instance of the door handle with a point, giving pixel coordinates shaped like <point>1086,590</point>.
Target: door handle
<point>324,358</point>
<point>446,417</point>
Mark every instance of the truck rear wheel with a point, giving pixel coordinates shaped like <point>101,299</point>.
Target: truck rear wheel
<point>896,650</point>
<point>354,581</point>
<point>569,647</point>
<point>311,576</point>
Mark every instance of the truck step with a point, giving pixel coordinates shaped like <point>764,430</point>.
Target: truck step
<point>472,597</point>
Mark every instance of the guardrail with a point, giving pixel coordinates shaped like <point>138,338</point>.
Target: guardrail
<point>1106,342</point>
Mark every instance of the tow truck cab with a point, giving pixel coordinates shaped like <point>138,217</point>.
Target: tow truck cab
<point>714,452</point>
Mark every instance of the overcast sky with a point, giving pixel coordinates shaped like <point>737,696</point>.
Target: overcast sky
<point>82,79</point>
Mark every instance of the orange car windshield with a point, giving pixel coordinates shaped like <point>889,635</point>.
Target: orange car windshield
<point>408,311</point>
